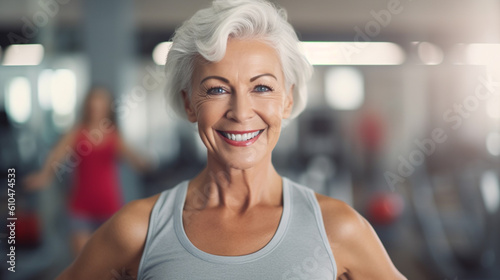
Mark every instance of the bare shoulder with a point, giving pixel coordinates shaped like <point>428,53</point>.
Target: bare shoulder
<point>358,252</point>
<point>116,246</point>
<point>340,219</point>
<point>130,225</point>
<point>69,137</point>
<point>134,215</point>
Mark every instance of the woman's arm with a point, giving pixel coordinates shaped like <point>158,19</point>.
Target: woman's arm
<point>43,177</point>
<point>355,245</point>
<point>116,247</point>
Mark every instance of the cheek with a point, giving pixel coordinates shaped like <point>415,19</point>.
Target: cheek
<point>209,111</point>
<point>271,110</point>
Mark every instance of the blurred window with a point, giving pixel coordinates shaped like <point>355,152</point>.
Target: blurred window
<point>18,99</point>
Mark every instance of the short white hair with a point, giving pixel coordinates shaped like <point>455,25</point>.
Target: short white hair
<point>206,34</point>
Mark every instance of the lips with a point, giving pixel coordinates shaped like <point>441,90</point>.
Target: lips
<point>240,138</point>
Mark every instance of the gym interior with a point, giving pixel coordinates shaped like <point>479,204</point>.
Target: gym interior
<point>402,120</point>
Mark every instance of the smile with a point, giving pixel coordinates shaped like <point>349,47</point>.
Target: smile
<point>240,138</point>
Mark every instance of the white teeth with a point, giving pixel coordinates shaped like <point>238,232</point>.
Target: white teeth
<point>241,137</point>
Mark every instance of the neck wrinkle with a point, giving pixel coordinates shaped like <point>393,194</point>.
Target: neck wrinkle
<point>239,190</point>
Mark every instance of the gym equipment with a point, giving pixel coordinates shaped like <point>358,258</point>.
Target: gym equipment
<point>460,233</point>
<point>385,208</point>
<point>322,154</point>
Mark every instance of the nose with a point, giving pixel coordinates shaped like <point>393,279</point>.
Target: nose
<point>241,107</point>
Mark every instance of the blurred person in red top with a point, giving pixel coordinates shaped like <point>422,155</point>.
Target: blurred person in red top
<point>89,151</point>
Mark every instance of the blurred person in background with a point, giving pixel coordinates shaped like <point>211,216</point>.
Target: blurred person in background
<point>236,71</point>
<point>90,150</point>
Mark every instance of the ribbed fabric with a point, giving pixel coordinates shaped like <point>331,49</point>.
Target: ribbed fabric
<point>298,250</point>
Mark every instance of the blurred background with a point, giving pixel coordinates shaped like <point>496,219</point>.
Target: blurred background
<point>403,119</point>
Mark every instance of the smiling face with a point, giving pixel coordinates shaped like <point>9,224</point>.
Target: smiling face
<point>239,103</point>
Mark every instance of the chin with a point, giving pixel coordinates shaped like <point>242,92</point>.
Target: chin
<point>241,162</point>
<point>240,165</point>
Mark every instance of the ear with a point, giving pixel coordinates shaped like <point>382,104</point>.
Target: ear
<point>287,111</point>
<point>188,107</point>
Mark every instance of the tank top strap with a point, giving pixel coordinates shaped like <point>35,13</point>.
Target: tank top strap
<point>305,198</point>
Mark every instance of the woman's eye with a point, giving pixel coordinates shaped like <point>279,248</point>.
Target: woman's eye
<point>262,88</point>
<point>216,90</point>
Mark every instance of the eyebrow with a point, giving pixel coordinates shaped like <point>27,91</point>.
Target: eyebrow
<point>215,77</point>
<point>261,75</point>
<point>227,81</point>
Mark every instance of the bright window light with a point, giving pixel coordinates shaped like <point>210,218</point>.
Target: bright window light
<point>63,91</point>
<point>490,191</point>
<point>28,54</point>
<point>44,84</point>
<point>482,54</point>
<point>429,53</point>
<point>330,53</point>
<point>493,143</point>
<point>18,99</point>
<point>353,53</point>
<point>344,88</point>
<point>160,52</point>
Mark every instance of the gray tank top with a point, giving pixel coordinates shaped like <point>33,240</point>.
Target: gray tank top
<point>298,250</point>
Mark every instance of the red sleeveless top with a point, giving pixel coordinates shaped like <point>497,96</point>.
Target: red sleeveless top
<point>96,193</point>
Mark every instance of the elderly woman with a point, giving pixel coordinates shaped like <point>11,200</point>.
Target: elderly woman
<point>235,70</point>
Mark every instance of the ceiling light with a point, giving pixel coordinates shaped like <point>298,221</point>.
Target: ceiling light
<point>353,53</point>
<point>28,54</point>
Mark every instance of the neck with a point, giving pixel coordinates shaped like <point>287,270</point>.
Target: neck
<point>236,189</point>
<point>91,124</point>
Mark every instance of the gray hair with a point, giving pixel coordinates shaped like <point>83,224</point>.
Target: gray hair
<point>206,34</point>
